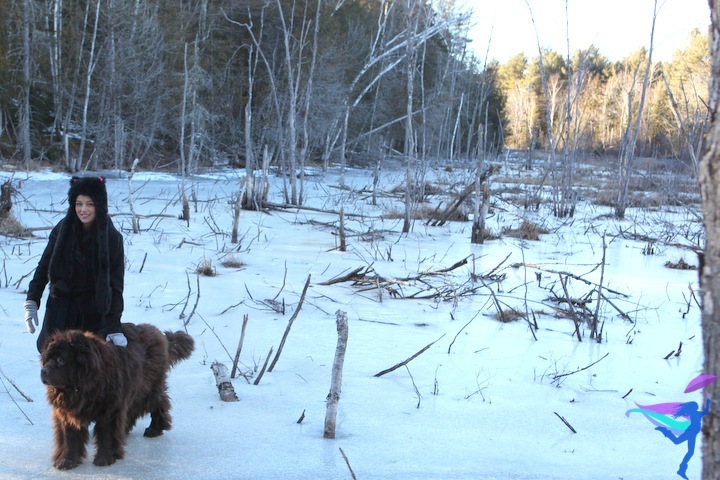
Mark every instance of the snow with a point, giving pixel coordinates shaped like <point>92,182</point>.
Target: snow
<point>487,406</point>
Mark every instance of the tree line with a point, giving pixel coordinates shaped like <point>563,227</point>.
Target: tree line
<point>99,83</point>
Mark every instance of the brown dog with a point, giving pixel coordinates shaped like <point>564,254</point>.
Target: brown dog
<point>89,381</point>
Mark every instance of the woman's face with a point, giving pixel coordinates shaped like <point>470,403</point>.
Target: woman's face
<point>85,210</point>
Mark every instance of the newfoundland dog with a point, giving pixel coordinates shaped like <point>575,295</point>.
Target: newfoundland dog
<point>89,381</point>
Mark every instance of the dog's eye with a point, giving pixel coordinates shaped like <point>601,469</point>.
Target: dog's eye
<point>60,361</point>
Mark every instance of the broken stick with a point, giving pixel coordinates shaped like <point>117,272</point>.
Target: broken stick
<point>405,362</point>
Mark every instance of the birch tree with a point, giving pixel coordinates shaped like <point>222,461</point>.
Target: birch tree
<point>632,130</point>
<point>709,177</point>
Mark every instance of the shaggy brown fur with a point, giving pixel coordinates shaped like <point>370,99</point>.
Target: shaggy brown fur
<point>89,381</point>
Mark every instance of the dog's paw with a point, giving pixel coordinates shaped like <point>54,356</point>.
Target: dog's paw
<point>65,463</point>
<point>152,432</point>
<point>103,459</point>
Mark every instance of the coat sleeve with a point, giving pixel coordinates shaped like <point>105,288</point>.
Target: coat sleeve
<point>40,278</point>
<point>117,283</point>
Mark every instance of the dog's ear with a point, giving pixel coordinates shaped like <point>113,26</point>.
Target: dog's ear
<point>86,355</point>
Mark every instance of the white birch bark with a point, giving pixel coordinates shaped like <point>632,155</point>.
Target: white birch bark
<point>333,397</point>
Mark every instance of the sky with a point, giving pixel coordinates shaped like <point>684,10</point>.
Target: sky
<point>483,402</point>
<point>616,27</point>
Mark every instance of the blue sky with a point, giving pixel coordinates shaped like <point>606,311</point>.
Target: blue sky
<point>616,27</point>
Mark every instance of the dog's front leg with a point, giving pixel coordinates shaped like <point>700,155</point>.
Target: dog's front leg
<point>70,440</point>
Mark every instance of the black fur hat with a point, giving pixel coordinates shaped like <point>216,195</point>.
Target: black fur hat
<point>93,187</point>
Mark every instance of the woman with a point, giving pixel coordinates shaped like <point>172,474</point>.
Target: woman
<point>84,262</point>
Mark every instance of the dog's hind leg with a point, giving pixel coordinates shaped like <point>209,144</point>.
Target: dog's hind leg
<point>159,413</point>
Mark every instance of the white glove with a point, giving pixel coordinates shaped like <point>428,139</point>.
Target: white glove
<point>117,339</point>
<point>31,315</point>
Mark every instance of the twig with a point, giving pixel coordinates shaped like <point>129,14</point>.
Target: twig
<point>417,392</point>
<point>405,362</point>
<point>289,325</point>
<point>565,422</point>
<point>347,462</point>
<point>560,375</point>
<point>460,331</point>
<point>13,400</point>
<point>15,386</point>
<point>197,300</point>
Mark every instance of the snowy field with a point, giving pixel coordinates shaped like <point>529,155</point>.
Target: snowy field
<point>483,402</point>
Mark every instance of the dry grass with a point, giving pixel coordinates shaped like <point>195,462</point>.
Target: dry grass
<point>206,269</point>
<point>231,261</point>
<point>680,265</point>
<point>527,231</point>
<point>508,315</point>
<point>10,227</point>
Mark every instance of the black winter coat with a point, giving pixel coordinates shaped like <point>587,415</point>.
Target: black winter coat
<point>73,306</point>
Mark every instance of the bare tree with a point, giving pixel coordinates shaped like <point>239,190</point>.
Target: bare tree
<point>632,131</point>
<point>25,113</point>
<point>710,263</point>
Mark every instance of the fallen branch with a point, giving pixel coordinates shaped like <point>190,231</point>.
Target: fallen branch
<point>560,375</point>
<point>405,362</point>
<point>568,274</point>
<point>15,386</point>
<point>224,385</point>
<point>565,422</point>
<point>347,462</point>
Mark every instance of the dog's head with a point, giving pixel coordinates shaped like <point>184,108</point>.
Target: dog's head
<point>68,359</point>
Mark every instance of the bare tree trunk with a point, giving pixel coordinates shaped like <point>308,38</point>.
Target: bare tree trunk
<point>709,178</point>
<point>336,382</point>
<point>74,165</point>
<point>409,133</point>
<point>56,62</point>
<point>131,198</point>
<point>25,113</point>
<point>631,135</point>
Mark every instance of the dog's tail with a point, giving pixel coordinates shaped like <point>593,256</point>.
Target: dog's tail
<point>180,346</point>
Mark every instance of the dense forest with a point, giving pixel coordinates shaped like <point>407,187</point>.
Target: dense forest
<point>191,83</point>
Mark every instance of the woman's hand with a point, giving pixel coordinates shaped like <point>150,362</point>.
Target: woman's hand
<point>31,315</point>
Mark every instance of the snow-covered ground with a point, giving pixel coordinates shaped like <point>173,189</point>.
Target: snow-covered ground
<point>484,402</point>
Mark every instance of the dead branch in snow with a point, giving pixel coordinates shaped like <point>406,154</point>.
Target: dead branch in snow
<point>347,462</point>
<point>224,385</point>
<point>2,372</point>
<point>289,325</point>
<point>565,422</point>
<point>408,360</point>
<point>573,315</point>
<point>262,370</point>
<point>568,274</point>
<point>424,283</point>
<point>239,348</point>
<point>561,375</point>
<point>454,206</point>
